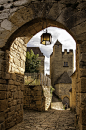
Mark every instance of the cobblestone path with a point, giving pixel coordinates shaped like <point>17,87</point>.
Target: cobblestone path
<point>49,120</point>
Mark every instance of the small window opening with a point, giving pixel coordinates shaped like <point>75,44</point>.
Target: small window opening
<point>65,63</point>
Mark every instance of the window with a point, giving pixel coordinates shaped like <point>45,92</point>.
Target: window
<point>65,63</point>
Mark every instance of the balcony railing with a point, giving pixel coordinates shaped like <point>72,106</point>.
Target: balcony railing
<point>36,79</point>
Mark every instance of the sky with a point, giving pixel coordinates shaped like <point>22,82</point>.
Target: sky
<point>59,34</point>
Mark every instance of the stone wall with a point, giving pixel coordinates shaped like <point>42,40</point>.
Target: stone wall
<point>73,93</point>
<point>34,98</point>
<point>37,97</point>
<point>62,90</point>
<point>81,86</point>
<point>12,84</point>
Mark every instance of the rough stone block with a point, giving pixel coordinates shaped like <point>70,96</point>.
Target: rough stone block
<point>7,76</point>
<point>20,93</point>
<point>83,73</point>
<point>19,101</point>
<point>83,98</point>
<point>3,105</point>
<point>16,61</point>
<point>18,107</point>
<point>2,117</point>
<point>83,84</point>
<point>23,57</point>
<point>18,87</point>
<point>19,119</point>
<point>83,116</point>
<point>9,104</point>
<point>9,95</point>
<point>11,113</point>
<point>11,58</point>
<point>15,95</point>
<point>2,95</point>
<point>16,70</point>
<point>13,76</point>
<point>6,24</point>
<point>22,87</point>
<point>2,81</point>
<point>38,102</point>
<point>3,87</point>
<point>7,121</point>
<point>12,108</point>
<point>11,82</point>
<point>2,126</point>
<point>14,102</point>
<point>15,46</point>
<point>83,57</point>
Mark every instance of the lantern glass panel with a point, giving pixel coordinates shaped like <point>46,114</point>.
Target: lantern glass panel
<point>47,43</point>
<point>43,42</point>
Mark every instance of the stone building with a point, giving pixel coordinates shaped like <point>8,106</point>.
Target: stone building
<point>62,86</point>
<point>41,57</point>
<point>60,62</point>
<point>61,67</point>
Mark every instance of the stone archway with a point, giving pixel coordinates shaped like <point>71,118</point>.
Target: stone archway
<point>18,16</point>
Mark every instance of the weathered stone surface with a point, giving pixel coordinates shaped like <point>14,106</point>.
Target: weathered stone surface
<point>20,2</point>
<point>82,84</point>
<point>11,82</point>
<point>83,73</point>
<point>7,76</point>
<point>3,105</point>
<point>2,117</point>
<point>3,87</point>
<point>77,30</point>
<point>83,116</point>
<point>18,107</point>
<point>15,94</point>
<point>2,95</point>
<point>20,94</point>
<point>2,81</point>
<point>2,42</point>
<point>2,126</point>
<point>6,25</point>
<point>3,15</point>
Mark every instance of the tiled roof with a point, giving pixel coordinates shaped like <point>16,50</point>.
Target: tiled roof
<point>36,50</point>
<point>57,43</point>
<point>64,78</point>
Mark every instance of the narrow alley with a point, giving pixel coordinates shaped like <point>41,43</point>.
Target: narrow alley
<point>49,120</point>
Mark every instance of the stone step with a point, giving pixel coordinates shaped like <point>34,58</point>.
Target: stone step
<point>57,105</point>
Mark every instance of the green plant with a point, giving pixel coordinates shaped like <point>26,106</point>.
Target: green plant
<point>32,62</point>
<point>51,89</point>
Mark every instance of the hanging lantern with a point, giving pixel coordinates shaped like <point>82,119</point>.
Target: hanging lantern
<point>46,38</point>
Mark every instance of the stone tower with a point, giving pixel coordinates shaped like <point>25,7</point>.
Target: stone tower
<point>60,62</point>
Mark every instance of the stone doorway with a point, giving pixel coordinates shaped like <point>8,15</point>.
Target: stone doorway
<point>66,100</point>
